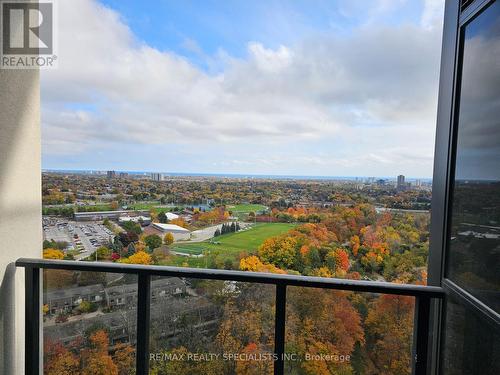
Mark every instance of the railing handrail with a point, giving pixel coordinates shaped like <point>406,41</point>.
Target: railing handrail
<point>240,276</point>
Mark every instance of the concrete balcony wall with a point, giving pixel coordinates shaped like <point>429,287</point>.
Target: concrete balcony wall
<point>20,204</point>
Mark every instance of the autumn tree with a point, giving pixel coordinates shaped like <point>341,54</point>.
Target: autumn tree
<point>247,326</point>
<point>389,326</point>
<point>141,257</point>
<point>182,364</point>
<point>280,251</point>
<point>103,252</point>
<point>53,254</point>
<point>58,360</point>
<point>125,238</point>
<point>253,263</point>
<point>337,261</point>
<point>180,222</point>
<point>124,358</point>
<point>320,322</point>
<point>97,359</point>
<point>355,245</point>
<point>168,239</point>
<point>254,366</point>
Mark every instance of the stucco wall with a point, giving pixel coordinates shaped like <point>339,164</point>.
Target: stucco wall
<point>20,204</point>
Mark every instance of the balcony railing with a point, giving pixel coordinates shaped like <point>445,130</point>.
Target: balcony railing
<point>422,294</point>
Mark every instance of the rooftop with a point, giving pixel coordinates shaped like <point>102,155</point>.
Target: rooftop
<point>170,227</point>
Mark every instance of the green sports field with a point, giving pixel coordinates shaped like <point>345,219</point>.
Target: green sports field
<point>246,240</point>
<point>246,208</point>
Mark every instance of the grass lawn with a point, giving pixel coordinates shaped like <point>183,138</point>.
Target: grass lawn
<point>94,207</point>
<point>234,243</point>
<point>143,205</point>
<point>190,248</point>
<point>245,208</point>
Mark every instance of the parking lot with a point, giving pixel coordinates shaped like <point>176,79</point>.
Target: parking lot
<point>84,237</point>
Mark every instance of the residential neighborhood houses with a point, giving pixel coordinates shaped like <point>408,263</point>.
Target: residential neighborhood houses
<point>71,312</point>
<point>63,301</point>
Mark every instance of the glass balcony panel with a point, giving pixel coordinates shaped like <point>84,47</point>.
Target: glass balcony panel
<point>211,327</point>
<point>471,342</point>
<point>341,332</point>
<point>474,247</point>
<point>89,322</point>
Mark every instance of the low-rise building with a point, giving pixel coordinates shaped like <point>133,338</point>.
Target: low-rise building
<point>143,220</point>
<point>65,299</point>
<point>101,215</point>
<point>126,295</point>
<point>177,231</point>
<point>171,216</point>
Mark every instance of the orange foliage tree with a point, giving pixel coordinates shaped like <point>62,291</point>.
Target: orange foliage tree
<point>322,322</point>
<point>390,326</point>
<point>97,359</point>
<point>58,360</point>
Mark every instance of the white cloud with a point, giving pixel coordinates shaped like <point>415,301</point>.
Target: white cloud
<point>378,84</point>
<point>268,60</point>
<point>432,16</point>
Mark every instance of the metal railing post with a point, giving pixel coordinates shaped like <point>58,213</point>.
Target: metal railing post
<point>421,335</point>
<point>32,321</point>
<point>279,329</point>
<point>143,314</point>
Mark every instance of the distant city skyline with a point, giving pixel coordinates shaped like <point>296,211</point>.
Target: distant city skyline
<point>312,88</point>
<point>149,173</point>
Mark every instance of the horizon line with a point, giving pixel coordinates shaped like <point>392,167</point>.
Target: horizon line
<point>222,174</point>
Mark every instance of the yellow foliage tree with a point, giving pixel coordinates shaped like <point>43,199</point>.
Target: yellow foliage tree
<point>140,257</point>
<point>140,246</point>
<point>323,272</point>
<point>355,245</point>
<point>279,251</point>
<point>53,254</point>
<point>180,222</point>
<point>168,239</point>
<point>254,264</point>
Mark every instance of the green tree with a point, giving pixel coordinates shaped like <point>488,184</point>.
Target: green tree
<point>103,252</point>
<point>153,241</point>
<point>132,227</point>
<point>162,217</point>
<point>86,307</point>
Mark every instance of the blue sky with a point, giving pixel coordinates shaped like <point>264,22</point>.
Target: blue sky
<point>261,87</point>
<point>229,25</point>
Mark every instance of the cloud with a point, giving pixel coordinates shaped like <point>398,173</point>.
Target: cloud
<point>376,87</point>
<point>432,14</point>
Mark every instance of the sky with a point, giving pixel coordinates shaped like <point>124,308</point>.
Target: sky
<point>311,87</point>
